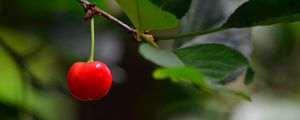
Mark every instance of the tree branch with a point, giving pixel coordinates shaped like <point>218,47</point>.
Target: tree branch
<point>91,10</point>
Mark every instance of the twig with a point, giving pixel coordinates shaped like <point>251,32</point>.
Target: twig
<point>91,10</point>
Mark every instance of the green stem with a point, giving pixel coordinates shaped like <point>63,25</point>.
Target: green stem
<point>192,34</point>
<point>91,57</point>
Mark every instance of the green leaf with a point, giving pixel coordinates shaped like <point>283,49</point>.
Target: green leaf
<point>250,14</point>
<point>216,61</point>
<point>234,92</point>
<point>41,60</point>
<point>177,7</point>
<point>146,16</point>
<point>264,12</point>
<point>181,73</point>
<point>10,79</point>
<point>249,76</point>
<point>195,77</point>
<point>159,56</point>
<point>44,66</point>
<point>208,15</point>
<point>21,42</point>
<point>15,87</point>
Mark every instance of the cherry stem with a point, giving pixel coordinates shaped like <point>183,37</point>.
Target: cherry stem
<point>91,57</point>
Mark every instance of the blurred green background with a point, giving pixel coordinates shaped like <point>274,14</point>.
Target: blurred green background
<point>40,40</point>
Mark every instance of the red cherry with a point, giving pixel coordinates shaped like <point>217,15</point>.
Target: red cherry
<point>89,80</point>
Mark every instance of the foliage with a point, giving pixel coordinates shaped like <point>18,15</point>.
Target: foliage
<point>37,67</point>
<point>215,61</point>
<point>141,12</point>
<point>271,12</point>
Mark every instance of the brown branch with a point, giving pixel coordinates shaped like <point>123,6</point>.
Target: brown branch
<point>91,10</point>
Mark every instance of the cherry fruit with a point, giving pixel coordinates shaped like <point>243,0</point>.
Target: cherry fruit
<point>89,80</point>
